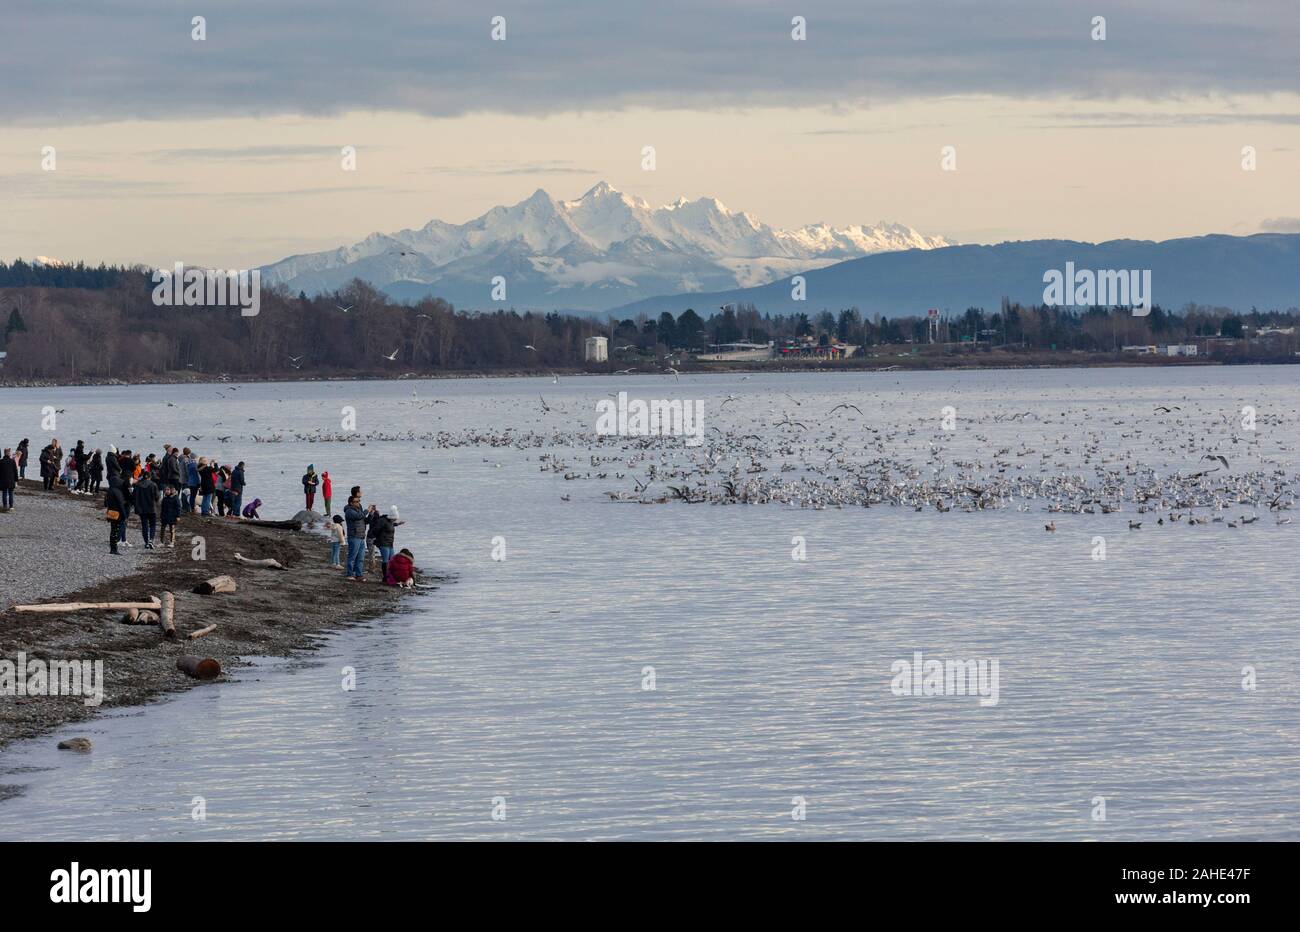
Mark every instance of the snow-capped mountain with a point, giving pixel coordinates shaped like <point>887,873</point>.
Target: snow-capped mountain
<point>602,250</point>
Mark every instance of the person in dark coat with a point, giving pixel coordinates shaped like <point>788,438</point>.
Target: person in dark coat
<point>169,512</point>
<point>309,483</point>
<point>96,468</point>
<point>206,486</point>
<point>51,462</point>
<point>237,489</point>
<point>8,479</point>
<point>80,456</point>
<point>145,497</point>
<point>355,518</point>
<point>23,450</point>
<point>115,503</point>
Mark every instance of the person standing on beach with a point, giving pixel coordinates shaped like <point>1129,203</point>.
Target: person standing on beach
<point>338,539</point>
<point>237,489</point>
<point>83,477</point>
<point>327,491</point>
<point>309,484</point>
<point>356,527</point>
<point>385,526</point>
<point>70,473</point>
<point>115,511</point>
<point>219,488</point>
<point>51,457</point>
<point>192,480</point>
<point>206,486</point>
<point>22,458</point>
<point>169,514</point>
<point>145,497</point>
<point>8,480</point>
<point>95,470</point>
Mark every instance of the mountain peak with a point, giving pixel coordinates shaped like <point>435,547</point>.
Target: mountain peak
<point>599,189</point>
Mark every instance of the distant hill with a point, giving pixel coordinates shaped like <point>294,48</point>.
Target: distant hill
<point>1238,272</point>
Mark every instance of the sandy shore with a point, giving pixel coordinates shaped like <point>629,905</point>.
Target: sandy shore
<point>52,549</point>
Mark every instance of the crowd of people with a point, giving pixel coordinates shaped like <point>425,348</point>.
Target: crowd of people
<point>158,489</point>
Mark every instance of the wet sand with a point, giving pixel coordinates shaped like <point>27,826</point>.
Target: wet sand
<point>272,613</point>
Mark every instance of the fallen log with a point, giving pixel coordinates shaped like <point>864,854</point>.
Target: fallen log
<point>268,563</point>
<point>82,606</point>
<point>200,668</point>
<point>194,635</point>
<point>279,525</point>
<point>167,618</point>
<point>215,584</point>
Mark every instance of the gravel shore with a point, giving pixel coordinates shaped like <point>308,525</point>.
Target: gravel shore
<point>52,543</point>
<point>54,547</point>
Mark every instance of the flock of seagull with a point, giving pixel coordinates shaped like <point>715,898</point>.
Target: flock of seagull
<point>1181,462</point>
<point>1160,464</point>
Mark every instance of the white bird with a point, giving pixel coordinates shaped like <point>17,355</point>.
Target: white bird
<point>530,347</point>
<point>394,355</point>
<point>345,309</point>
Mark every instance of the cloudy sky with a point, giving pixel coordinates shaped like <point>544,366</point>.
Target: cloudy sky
<point>227,151</point>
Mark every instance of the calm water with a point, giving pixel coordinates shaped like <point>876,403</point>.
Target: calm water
<point>523,678</point>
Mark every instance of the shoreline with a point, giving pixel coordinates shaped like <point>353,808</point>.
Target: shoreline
<point>881,366</point>
<point>272,613</point>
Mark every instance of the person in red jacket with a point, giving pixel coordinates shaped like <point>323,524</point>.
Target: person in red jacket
<point>326,491</point>
<point>401,570</point>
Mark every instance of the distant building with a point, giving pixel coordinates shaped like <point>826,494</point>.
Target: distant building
<point>1177,349</point>
<point>738,352</point>
<point>1140,349</point>
<point>596,350</point>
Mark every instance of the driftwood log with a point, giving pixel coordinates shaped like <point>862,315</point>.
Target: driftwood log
<point>201,668</point>
<point>194,635</point>
<point>140,616</point>
<point>215,584</point>
<point>268,563</point>
<point>167,617</point>
<point>83,606</point>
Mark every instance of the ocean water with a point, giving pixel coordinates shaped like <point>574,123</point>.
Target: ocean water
<point>520,688</point>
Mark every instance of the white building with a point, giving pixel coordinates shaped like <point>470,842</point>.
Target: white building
<point>596,350</point>
<point>1178,349</point>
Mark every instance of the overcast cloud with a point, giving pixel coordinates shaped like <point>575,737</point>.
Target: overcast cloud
<point>86,60</point>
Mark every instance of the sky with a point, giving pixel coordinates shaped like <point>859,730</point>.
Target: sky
<point>229,151</point>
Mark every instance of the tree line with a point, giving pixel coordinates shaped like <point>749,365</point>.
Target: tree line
<point>84,323</point>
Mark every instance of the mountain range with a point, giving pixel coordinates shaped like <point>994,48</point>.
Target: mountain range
<point>1238,272</point>
<point>604,249</point>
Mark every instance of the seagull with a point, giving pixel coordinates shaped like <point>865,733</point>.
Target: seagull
<point>845,405</point>
<point>294,358</point>
<point>1050,527</point>
<point>545,406</point>
<point>529,346</point>
<point>1134,525</point>
<point>1163,409</point>
<point>676,377</point>
<point>346,309</point>
<point>1216,456</point>
<point>393,356</point>
<point>555,379</point>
